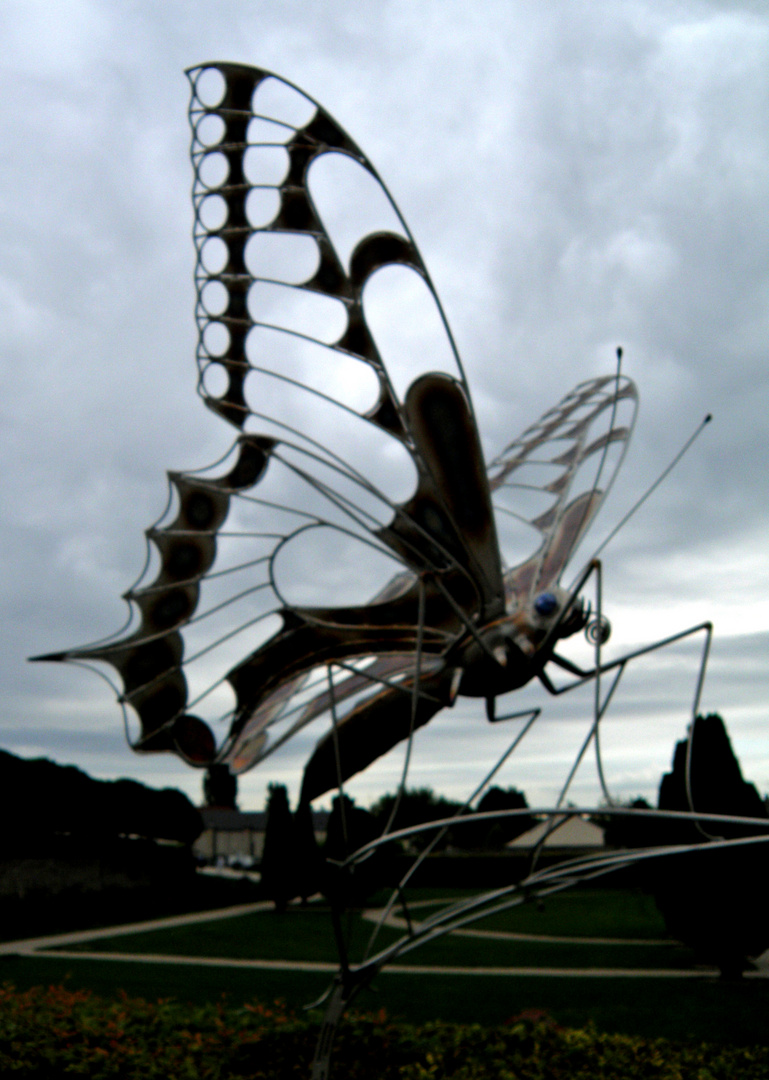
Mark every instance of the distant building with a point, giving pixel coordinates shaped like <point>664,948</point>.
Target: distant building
<point>571,836</point>
<point>236,836</point>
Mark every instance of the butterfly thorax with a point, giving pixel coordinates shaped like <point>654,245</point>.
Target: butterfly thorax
<point>510,651</point>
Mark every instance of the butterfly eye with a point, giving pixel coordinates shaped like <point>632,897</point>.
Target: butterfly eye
<point>545,604</point>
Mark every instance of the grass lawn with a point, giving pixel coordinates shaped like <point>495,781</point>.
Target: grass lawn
<point>699,1008</point>
<point>297,934</point>
<point>306,934</point>
<point>583,912</point>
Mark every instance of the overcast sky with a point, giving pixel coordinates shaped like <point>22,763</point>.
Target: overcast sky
<point>577,177</point>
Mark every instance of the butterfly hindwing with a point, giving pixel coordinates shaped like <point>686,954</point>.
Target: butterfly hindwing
<point>554,477</point>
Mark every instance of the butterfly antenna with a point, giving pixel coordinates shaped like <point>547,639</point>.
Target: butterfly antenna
<point>602,462</point>
<point>654,486</point>
<point>612,418</point>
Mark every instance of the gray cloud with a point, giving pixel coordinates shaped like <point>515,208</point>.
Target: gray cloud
<point>576,177</point>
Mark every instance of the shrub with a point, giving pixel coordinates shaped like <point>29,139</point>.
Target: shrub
<point>45,1032</point>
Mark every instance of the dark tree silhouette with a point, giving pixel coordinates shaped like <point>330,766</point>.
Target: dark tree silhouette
<point>501,832</point>
<point>308,857</point>
<point>714,900</point>
<point>220,787</point>
<point>622,831</point>
<point>420,806</point>
<point>279,857</point>
<point>349,828</point>
<point>417,806</point>
<point>717,784</point>
<point>43,798</point>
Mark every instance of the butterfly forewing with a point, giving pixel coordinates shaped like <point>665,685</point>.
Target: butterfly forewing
<point>305,209</point>
<point>332,563</point>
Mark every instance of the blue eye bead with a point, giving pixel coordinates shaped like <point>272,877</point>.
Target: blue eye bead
<point>545,604</point>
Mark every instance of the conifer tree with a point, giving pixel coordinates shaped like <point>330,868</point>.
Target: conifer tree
<point>278,867</point>
<point>220,787</point>
<point>713,900</point>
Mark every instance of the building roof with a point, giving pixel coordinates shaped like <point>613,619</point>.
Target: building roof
<point>227,820</point>
<point>572,832</point>
<point>219,817</point>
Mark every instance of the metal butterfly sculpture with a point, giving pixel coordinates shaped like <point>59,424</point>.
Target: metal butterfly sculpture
<point>452,620</point>
<point>352,464</point>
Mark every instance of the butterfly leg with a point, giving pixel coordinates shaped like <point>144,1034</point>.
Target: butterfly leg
<point>619,664</point>
<point>342,992</point>
<point>459,816</point>
<point>600,706</point>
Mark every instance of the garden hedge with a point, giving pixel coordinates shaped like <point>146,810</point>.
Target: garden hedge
<point>47,1032</point>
